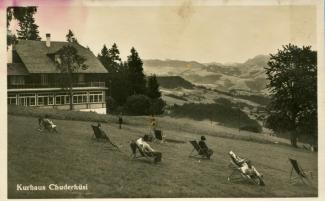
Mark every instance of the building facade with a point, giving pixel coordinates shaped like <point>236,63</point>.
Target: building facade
<point>34,79</point>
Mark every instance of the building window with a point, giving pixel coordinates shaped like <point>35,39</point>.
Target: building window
<point>17,80</point>
<point>12,99</point>
<point>95,97</point>
<point>75,99</point>
<point>44,99</point>
<point>67,99</point>
<point>27,99</point>
<point>40,101</point>
<point>57,100</point>
<point>44,79</point>
<point>62,98</point>
<point>84,99</point>
<point>80,97</point>
<point>32,101</point>
<point>51,100</point>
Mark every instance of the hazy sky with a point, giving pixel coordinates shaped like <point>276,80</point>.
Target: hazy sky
<point>187,32</point>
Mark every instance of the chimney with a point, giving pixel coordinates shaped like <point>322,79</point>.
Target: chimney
<point>9,54</point>
<point>48,40</point>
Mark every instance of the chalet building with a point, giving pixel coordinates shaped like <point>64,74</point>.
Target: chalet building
<point>33,78</point>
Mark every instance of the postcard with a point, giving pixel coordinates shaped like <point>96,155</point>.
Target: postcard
<point>162,99</point>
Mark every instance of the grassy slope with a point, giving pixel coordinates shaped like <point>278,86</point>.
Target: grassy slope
<point>71,157</point>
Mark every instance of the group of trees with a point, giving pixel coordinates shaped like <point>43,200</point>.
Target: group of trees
<point>28,29</point>
<point>129,88</point>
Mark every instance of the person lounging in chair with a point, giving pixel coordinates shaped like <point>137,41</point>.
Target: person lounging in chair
<point>204,148</point>
<point>245,166</point>
<point>49,124</point>
<point>102,132</point>
<point>146,148</point>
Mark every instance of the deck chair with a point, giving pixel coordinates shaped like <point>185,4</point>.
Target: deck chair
<point>237,174</point>
<point>159,136</point>
<point>199,152</point>
<point>99,135</point>
<point>300,173</point>
<point>47,126</point>
<point>134,148</point>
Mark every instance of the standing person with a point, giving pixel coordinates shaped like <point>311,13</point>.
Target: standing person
<point>204,148</point>
<point>146,148</point>
<point>153,125</point>
<point>120,120</point>
<point>40,123</point>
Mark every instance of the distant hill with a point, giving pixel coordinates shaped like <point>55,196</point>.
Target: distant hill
<point>172,63</point>
<point>249,75</point>
<point>172,82</point>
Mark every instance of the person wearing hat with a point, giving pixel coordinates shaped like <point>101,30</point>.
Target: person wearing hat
<point>146,148</point>
<point>204,148</point>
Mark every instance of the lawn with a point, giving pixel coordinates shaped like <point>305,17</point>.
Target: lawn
<point>71,157</point>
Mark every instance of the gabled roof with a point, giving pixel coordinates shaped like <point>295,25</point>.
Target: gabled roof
<point>34,55</point>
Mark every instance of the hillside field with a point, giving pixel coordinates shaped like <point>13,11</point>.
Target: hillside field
<point>71,157</point>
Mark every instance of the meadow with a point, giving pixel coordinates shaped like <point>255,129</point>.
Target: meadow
<point>72,157</point>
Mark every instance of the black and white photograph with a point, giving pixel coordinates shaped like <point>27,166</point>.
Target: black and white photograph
<point>162,99</point>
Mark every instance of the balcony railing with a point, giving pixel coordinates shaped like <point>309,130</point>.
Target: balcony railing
<point>55,85</point>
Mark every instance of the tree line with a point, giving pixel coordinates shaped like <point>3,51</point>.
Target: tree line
<point>129,89</point>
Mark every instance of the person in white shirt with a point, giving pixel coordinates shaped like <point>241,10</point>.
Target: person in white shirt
<point>245,165</point>
<point>146,148</point>
<point>49,124</point>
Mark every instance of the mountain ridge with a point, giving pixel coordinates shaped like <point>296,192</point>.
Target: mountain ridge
<point>249,75</point>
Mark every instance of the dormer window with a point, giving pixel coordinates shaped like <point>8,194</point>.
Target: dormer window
<point>57,59</point>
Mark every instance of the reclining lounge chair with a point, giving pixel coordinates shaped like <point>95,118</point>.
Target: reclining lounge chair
<point>99,135</point>
<point>237,174</point>
<point>158,135</point>
<point>134,148</point>
<point>200,152</point>
<point>47,125</point>
<point>300,173</point>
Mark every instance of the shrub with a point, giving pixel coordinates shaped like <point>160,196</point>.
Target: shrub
<point>59,114</point>
<point>111,105</point>
<point>137,105</point>
<point>252,128</point>
<point>157,106</point>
